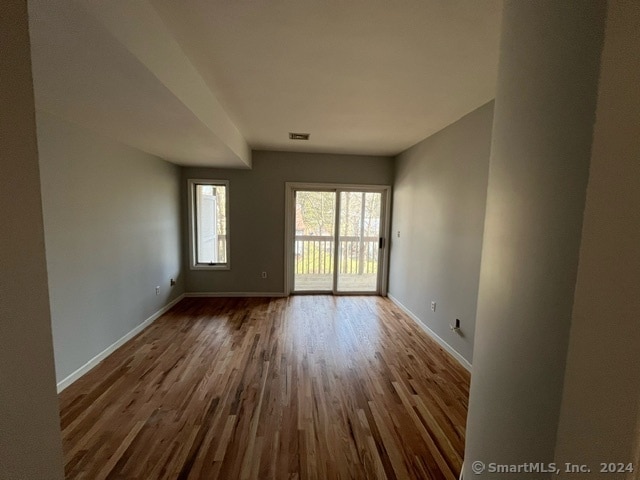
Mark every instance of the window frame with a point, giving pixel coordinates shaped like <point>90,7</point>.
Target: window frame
<point>191,192</point>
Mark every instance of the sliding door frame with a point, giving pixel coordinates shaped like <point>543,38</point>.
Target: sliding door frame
<point>289,234</point>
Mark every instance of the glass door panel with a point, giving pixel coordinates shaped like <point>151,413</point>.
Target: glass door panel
<point>358,241</point>
<point>314,241</point>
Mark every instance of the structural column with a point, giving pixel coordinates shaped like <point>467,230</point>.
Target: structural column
<point>542,135</point>
<point>30,444</point>
<point>600,415</point>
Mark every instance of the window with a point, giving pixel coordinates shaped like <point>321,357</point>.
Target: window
<point>209,224</point>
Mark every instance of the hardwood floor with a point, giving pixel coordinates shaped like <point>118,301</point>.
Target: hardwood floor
<point>315,387</point>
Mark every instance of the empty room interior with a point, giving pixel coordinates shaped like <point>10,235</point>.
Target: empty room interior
<point>320,239</point>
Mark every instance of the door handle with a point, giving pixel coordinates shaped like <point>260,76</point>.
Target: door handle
<point>380,242</point>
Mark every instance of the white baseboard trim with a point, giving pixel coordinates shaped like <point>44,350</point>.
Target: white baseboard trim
<point>461,360</point>
<point>64,383</point>
<point>235,294</point>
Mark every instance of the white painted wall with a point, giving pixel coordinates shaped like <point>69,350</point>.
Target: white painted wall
<point>30,446</point>
<point>440,192</point>
<point>112,231</point>
<point>541,147</point>
<point>600,416</point>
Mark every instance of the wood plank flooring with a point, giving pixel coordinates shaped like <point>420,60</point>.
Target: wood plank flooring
<point>306,387</point>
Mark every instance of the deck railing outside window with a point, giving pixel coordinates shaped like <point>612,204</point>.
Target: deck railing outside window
<point>314,255</point>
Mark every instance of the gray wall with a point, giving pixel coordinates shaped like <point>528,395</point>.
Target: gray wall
<point>112,231</point>
<point>440,192</point>
<point>541,146</point>
<point>256,210</point>
<point>600,416</point>
<point>30,446</point>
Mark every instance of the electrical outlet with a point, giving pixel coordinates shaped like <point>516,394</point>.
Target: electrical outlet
<point>264,274</point>
<point>456,327</point>
<point>433,306</point>
<point>158,290</point>
<point>398,233</point>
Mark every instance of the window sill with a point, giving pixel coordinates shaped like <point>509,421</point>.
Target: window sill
<point>204,266</point>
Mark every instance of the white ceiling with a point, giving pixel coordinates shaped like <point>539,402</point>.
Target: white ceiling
<point>199,82</point>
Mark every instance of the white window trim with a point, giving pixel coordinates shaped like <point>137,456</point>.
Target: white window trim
<point>193,264</point>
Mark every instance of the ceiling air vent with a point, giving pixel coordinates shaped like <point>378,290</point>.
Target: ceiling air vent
<point>299,136</point>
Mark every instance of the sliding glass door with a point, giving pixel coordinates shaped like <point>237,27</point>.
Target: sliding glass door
<point>314,241</point>
<point>337,237</point>
<point>359,242</point>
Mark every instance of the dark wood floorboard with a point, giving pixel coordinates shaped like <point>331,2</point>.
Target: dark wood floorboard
<point>306,387</point>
